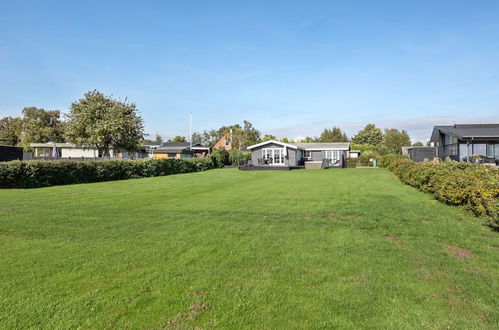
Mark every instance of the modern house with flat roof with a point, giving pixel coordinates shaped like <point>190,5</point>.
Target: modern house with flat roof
<point>277,154</point>
<point>461,142</point>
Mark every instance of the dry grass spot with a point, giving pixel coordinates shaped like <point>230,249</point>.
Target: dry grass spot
<point>392,238</point>
<point>459,252</point>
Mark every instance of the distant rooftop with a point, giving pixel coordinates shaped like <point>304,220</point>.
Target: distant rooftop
<point>323,145</point>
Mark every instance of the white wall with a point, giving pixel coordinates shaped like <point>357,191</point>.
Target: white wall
<point>78,153</point>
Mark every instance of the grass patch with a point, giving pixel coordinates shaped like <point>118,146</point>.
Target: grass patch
<point>348,248</point>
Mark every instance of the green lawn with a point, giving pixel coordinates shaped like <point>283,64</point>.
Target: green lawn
<point>341,248</point>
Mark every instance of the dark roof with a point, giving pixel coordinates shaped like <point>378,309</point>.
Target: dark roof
<point>182,147</point>
<point>468,131</point>
<point>323,145</point>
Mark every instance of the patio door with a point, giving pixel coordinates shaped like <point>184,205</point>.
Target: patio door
<point>273,156</point>
<point>333,157</point>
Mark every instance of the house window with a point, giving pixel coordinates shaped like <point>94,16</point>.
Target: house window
<point>42,152</point>
<point>449,139</point>
<point>306,154</point>
<point>333,154</point>
<point>450,150</point>
<point>464,151</point>
<point>490,151</point>
<point>480,149</point>
<point>273,156</point>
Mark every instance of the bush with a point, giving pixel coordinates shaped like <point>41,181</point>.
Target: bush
<point>234,157</point>
<point>220,157</point>
<point>41,173</point>
<point>364,159</point>
<point>475,187</point>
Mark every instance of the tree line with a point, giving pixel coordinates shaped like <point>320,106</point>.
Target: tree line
<point>104,122</point>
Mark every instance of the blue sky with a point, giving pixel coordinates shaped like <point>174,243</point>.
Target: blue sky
<point>290,67</point>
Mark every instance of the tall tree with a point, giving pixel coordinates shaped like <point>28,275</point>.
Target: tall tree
<point>158,139</point>
<point>101,121</point>
<point>309,139</point>
<point>394,140</point>
<point>268,137</point>
<point>286,140</point>
<point>10,130</point>
<point>369,135</point>
<point>333,135</point>
<point>239,136</point>
<point>41,126</point>
<point>178,138</point>
<point>251,134</point>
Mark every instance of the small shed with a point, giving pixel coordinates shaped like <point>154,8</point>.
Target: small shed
<point>420,154</point>
<point>8,153</point>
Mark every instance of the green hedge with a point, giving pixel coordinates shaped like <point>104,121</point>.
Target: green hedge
<point>476,187</point>
<point>40,173</point>
<point>234,157</point>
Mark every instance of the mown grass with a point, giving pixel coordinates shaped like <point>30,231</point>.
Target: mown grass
<point>345,248</point>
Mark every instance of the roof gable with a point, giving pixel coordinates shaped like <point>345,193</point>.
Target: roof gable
<point>261,144</point>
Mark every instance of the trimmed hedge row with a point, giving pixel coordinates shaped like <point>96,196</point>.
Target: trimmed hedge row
<point>40,173</point>
<point>476,187</point>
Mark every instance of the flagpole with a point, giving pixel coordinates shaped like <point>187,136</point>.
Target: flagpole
<point>190,130</point>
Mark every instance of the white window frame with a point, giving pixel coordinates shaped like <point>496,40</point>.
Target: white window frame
<point>272,153</point>
<point>333,154</point>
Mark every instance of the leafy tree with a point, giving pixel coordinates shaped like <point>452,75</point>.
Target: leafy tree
<point>197,137</point>
<point>41,126</point>
<point>179,138</point>
<point>309,139</point>
<point>268,137</point>
<point>251,135</point>
<point>101,121</point>
<point>418,144</point>
<point>158,139</point>
<point>240,136</point>
<point>10,130</point>
<point>333,135</point>
<point>286,140</point>
<point>394,140</point>
<point>369,135</point>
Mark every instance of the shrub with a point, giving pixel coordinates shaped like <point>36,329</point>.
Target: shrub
<point>475,187</point>
<point>222,157</point>
<point>236,157</point>
<point>41,173</point>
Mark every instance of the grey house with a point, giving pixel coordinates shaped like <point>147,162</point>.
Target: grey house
<point>292,155</point>
<point>460,142</point>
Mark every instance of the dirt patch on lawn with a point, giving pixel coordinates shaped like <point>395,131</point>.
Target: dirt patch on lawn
<point>425,277</point>
<point>392,238</point>
<point>459,252</point>
<point>195,310</point>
